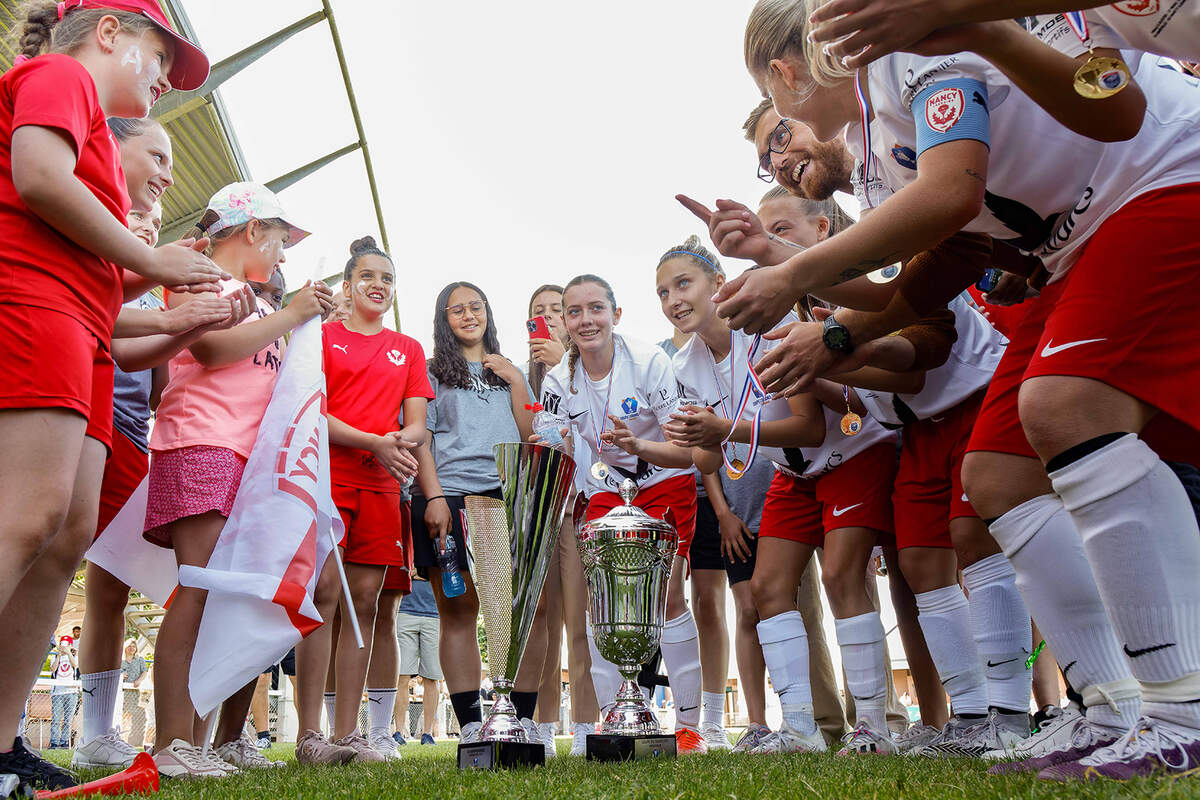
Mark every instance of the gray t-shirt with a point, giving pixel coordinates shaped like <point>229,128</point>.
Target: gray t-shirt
<point>746,495</point>
<point>131,391</point>
<point>419,602</point>
<point>465,424</point>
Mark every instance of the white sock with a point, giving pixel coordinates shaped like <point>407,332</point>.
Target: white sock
<point>100,690</point>
<point>605,679</point>
<point>861,641</point>
<point>784,644</point>
<point>1053,575</point>
<point>381,703</point>
<point>1000,622</point>
<point>945,620</point>
<point>1141,538</point>
<point>712,709</point>
<point>330,699</point>
<point>680,645</point>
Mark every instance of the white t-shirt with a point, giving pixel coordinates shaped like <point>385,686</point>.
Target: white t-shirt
<point>972,362</point>
<point>704,382</point>
<point>62,671</point>
<point>1167,27</point>
<point>643,395</point>
<point>1048,189</point>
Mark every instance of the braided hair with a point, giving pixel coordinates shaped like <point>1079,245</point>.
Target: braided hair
<point>573,350</point>
<point>448,363</point>
<point>44,31</point>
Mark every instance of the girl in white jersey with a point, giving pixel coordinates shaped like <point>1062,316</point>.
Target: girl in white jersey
<point>617,393</point>
<point>1096,361</point>
<point>830,490</point>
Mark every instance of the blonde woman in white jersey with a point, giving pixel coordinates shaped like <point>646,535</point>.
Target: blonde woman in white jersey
<point>1060,464</point>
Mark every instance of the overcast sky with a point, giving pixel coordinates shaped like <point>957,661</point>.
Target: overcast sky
<point>514,144</point>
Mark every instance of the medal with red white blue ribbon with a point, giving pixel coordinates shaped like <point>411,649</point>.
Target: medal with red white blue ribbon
<point>751,388</point>
<point>864,111</point>
<point>1100,76</point>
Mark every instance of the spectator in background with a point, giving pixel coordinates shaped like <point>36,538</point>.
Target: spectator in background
<point>134,671</point>
<point>64,695</point>
<point>417,634</point>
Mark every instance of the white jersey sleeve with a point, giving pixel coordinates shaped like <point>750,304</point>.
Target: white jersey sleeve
<point>1166,27</point>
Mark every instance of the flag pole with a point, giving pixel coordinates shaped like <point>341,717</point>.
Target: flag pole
<point>210,725</point>
<point>337,559</point>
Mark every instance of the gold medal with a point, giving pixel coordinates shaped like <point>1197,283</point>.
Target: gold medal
<point>736,469</point>
<point>599,470</point>
<point>851,424</point>
<point>1101,76</point>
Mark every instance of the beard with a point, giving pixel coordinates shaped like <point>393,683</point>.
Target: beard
<point>828,171</point>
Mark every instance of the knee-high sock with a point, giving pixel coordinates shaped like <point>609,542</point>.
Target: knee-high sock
<point>785,649</point>
<point>946,621</point>
<point>1141,538</point>
<point>329,699</point>
<point>1000,622</point>
<point>861,641</point>
<point>380,705</point>
<point>1054,577</point>
<point>681,656</point>
<point>100,691</point>
<point>605,678</point>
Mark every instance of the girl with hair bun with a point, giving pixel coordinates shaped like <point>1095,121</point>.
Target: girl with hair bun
<point>378,394</point>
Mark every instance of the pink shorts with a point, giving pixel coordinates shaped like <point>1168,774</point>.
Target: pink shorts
<point>190,481</point>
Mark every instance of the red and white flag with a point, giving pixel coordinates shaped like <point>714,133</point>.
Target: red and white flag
<point>264,570</point>
<point>123,552</point>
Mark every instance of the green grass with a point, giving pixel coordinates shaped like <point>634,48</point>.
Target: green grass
<point>425,773</point>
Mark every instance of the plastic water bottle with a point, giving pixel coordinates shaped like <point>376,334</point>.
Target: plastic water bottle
<point>452,579</point>
<point>546,426</point>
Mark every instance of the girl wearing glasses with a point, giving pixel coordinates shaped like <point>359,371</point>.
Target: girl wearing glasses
<point>481,399</point>
<point>617,404</point>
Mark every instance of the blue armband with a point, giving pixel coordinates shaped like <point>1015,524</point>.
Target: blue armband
<point>951,110</point>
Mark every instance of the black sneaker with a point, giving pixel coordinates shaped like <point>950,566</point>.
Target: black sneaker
<point>31,768</point>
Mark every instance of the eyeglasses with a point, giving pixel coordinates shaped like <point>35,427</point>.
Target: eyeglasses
<point>778,142</point>
<point>457,311</point>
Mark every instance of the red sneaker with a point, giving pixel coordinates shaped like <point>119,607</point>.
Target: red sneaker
<point>689,741</point>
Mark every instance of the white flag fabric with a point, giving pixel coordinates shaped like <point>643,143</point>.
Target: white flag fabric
<point>265,566</point>
<point>123,553</point>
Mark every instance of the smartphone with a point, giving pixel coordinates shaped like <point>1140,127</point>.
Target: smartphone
<point>539,328</point>
<point>990,278</point>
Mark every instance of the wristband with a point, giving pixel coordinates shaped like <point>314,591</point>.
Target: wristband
<point>429,500</point>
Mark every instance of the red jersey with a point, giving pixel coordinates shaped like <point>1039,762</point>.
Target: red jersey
<point>367,379</point>
<point>38,265</point>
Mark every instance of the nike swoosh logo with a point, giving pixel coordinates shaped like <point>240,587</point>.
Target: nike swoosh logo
<point>998,663</point>
<point>837,512</point>
<point>1145,650</point>
<point>936,419</point>
<point>575,416</point>
<point>689,708</point>
<point>1067,668</point>
<point>1050,348</point>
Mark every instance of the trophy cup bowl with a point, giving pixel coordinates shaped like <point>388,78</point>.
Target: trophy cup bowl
<point>627,557</point>
<point>512,541</point>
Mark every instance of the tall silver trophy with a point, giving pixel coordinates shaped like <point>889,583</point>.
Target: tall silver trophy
<point>512,541</point>
<point>627,556</point>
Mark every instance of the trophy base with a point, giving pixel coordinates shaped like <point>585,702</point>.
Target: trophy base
<point>615,747</point>
<point>500,755</point>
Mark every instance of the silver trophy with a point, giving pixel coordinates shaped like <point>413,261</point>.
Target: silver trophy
<point>627,557</point>
<point>512,541</point>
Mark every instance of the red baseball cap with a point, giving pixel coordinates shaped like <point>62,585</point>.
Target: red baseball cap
<point>189,69</point>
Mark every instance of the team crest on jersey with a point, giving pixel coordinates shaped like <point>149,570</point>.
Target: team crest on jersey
<point>551,402</point>
<point>397,358</point>
<point>943,109</point>
<point>905,156</point>
<point>1137,8</point>
<point>629,405</point>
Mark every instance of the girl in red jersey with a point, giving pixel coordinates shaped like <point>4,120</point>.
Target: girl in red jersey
<point>62,219</point>
<point>204,430</point>
<point>375,379</point>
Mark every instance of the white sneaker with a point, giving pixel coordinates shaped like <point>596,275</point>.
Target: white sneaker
<point>243,754</point>
<point>470,733</point>
<point>579,738</point>
<point>533,732</point>
<point>386,746</point>
<point>107,750</point>
<point>751,738</point>
<point>996,731</point>
<point>548,729</point>
<point>786,740</point>
<point>715,736</point>
<point>865,740</point>
<point>181,760</point>
<point>915,737</point>
<point>1055,733</point>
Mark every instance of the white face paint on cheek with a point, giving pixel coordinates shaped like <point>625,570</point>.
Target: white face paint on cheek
<point>133,57</point>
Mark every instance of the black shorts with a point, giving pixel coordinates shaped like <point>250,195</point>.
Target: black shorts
<point>287,666</point>
<point>424,548</point>
<point>706,546</point>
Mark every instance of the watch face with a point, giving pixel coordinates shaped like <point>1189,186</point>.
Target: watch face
<point>837,338</point>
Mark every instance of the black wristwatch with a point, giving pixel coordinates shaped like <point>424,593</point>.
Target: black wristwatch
<point>836,336</point>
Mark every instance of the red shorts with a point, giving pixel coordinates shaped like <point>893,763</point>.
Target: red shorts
<point>123,472</point>
<point>929,491</point>
<point>378,527</point>
<point>858,494</point>
<point>50,360</point>
<point>673,500</point>
<point>398,579</point>
<point>1125,315</point>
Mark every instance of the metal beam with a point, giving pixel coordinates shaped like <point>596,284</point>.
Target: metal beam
<point>284,181</point>
<point>176,104</point>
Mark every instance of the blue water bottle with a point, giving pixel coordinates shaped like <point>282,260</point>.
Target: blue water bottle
<point>452,579</point>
